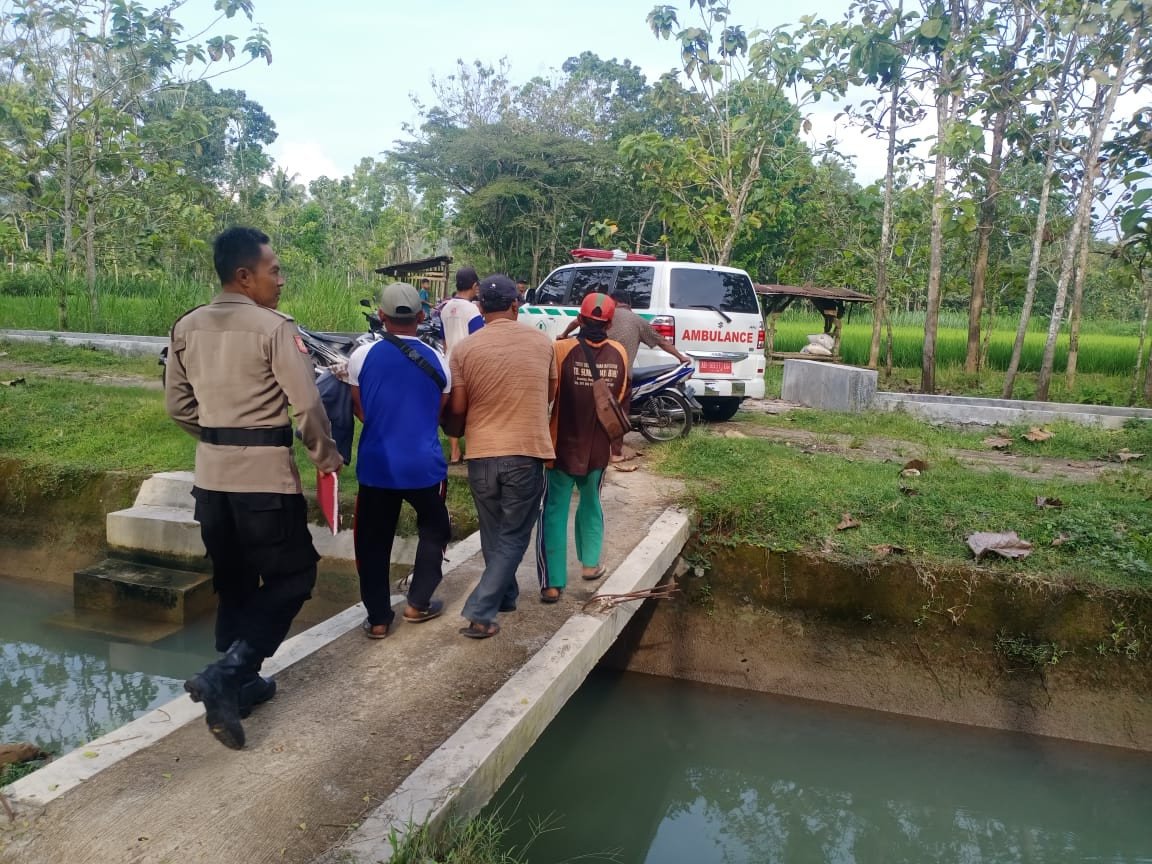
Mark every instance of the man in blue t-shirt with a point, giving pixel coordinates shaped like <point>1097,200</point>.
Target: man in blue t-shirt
<point>399,386</point>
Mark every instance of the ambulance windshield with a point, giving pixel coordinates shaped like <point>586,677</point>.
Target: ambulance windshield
<point>707,289</point>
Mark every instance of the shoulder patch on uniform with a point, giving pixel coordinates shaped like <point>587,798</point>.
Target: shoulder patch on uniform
<point>300,344</point>
<point>185,315</point>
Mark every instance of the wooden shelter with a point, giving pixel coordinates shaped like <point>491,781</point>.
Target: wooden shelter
<point>831,303</point>
<point>435,270</point>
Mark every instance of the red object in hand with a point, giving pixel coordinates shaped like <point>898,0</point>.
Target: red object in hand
<point>327,496</point>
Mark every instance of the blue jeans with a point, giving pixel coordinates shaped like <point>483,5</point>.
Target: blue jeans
<point>507,491</point>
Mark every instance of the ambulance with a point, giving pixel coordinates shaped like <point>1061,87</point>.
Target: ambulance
<point>709,313</point>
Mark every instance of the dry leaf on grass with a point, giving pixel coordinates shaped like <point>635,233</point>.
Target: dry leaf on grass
<point>1127,455</point>
<point>1061,538</point>
<point>916,465</point>
<point>909,491</point>
<point>1006,545</point>
<point>886,549</point>
<point>910,472</point>
<point>627,469</point>
<point>1054,503</point>
<point>847,522</point>
<point>1036,434</point>
<point>732,433</point>
<point>12,383</point>
<point>998,442</point>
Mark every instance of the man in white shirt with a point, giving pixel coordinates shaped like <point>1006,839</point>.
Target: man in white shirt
<point>459,316</point>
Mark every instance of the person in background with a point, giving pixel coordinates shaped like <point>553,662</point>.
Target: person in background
<point>425,297</point>
<point>503,377</point>
<point>234,367</point>
<point>399,388</point>
<point>522,291</point>
<point>460,316</point>
<point>583,449</point>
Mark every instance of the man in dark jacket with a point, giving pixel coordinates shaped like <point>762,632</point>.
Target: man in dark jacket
<point>583,448</point>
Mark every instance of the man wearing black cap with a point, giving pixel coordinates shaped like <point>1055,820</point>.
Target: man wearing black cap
<point>399,388</point>
<point>503,377</point>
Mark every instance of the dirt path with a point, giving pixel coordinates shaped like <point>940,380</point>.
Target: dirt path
<point>880,449</point>
<point>349,724</point>
<point>10,369</point>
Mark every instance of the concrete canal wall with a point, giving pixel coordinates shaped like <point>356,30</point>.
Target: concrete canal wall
<point>963,644</point>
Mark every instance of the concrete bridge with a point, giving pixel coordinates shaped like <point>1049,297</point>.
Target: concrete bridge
<point>363,737</point>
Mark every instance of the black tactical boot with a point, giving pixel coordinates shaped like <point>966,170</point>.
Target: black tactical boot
<point>255,691</point>
<point>218,687</point>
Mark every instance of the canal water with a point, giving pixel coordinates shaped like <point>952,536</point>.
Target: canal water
<point>62,687</point>
<point>646,770</point>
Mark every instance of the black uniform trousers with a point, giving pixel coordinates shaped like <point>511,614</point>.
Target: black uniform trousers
<point>263,563</point>
<point>374,529</point>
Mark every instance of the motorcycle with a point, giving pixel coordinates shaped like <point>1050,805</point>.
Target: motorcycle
<point>328,349</point>
<point>663,404</point>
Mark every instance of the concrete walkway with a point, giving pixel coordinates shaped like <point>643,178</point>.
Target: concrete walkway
<point>351,723</point>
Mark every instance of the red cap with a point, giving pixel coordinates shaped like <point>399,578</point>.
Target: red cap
<point>598,307</point>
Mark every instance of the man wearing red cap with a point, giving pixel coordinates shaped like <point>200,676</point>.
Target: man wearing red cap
<point>583,448</point>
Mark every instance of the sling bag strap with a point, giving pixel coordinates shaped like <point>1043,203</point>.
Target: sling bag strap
<point>274,436</point>
<point>419,359</point>
<point>609,412</point>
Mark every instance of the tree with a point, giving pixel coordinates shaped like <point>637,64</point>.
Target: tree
<point>95,67</point>
<point>739,120</point>
<point>1110,72</point>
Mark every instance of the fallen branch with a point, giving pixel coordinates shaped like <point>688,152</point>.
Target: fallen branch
<point>604,602</point>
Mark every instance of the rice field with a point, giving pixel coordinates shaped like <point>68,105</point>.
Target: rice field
<point>330,301</point>
<point>1106,348</point>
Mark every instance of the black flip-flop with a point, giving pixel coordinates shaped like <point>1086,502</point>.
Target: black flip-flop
<point>434,610</point>
<point>480,631</point>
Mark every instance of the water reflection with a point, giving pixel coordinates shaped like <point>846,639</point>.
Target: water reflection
<point>60,688</point>
<point>671,773</point>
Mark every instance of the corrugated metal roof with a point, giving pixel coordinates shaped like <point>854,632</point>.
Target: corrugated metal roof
<point>812,291</point>
<point>409,268</point>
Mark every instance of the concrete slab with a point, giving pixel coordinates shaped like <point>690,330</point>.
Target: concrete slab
<point>994,412</point>
<point>161,524</point>
<point>143,592</point>
<point>147,346</point>
<point>347,727</point>
<point>828,386</point>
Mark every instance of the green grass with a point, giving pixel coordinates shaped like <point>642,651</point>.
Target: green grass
<point>1101,350</point>
<point>13,772</point>
<point>1068,441</point>
<point>319,301</point>
<point>75,359</point>
<point>59,426</point>
<point>754,491</point>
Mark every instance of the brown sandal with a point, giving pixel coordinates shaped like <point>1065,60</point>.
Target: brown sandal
<point>434,610</point>
<point>547,597</point>
<point>475,630</point>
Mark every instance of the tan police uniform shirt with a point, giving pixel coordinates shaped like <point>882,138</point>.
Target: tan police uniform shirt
<point>235,364</point>
<point>508,372</point>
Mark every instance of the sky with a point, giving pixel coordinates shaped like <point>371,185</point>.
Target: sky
<point>344,72</point>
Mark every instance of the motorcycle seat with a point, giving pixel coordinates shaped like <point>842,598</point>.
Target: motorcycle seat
<point>337,339</point>
<point>647,372</point>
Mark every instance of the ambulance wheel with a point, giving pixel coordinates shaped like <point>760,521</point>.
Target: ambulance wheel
<point>665,416</point>
<point>717,410</point>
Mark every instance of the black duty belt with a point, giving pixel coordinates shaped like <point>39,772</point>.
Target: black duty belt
<point>275,436</point>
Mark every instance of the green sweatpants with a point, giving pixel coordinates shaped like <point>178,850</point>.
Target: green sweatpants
<point>552,535</point>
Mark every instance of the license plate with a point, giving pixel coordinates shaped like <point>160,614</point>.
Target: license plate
<point>720,367</point>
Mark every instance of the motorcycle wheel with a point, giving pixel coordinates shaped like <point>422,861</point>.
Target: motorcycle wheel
<point>665,416</point>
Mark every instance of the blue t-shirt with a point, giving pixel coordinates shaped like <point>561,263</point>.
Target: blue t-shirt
<point>400,442</point>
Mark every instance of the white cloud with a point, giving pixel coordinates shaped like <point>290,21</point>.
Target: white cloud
<point>306,159</point>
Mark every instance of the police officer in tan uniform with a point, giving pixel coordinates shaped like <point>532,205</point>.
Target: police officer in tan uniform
<point>234,367</point>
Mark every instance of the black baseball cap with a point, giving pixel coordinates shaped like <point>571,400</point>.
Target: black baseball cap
<point>497,293</point>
